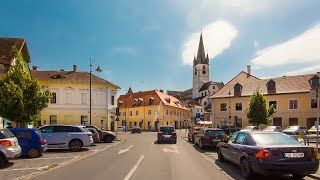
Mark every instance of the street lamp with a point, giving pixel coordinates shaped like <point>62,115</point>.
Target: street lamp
<point>98,70</point>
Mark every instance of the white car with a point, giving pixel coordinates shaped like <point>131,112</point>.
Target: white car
<point>9,146</point>
<point>121,129</point>
<point>67,137</point>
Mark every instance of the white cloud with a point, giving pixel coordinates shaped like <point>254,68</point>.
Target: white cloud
<point>217,37</point>
<point>256,44</point>
<point>302,49</point>
<point>306,70</point>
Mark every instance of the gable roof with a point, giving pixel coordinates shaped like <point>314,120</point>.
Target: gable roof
<point>206,85</point>
<point>158,99</point>
<point>284,85</point>
<point>68,76</point>
<point>6,51</point>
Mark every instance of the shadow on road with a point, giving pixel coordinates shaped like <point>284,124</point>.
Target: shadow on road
<point>7,165</point>
<point>65,150</point>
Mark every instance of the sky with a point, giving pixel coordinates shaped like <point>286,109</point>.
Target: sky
<point>151,44</point>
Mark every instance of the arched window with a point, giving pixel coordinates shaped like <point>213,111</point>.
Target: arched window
<point>202,94</point>
<point>204,67</point>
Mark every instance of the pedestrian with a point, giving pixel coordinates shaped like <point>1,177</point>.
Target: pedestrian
<point>9,125</point>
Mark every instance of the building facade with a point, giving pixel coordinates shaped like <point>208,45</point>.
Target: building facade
<point>151,109</point>
<point>289,95</point>
<point>71,98</point>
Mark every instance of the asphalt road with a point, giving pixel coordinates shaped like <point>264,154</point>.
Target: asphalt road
<point>141,159</point>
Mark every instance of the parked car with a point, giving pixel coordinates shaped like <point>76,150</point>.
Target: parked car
<point>9,146</point>
<point>209,137</point>
<point>250,128</point>
<point>67,136</point>
<point>295,130</point>
<point>273,128</point>
<point>193,131</point>
<point>269,154</point>
<point>136,129</point>
<point>31,141</point>
<point>122,129</point>
<point>105,136</point>
<point>167,134</point>
<point>313,130</point>
<point>229,128</point>
<point>95,135</point>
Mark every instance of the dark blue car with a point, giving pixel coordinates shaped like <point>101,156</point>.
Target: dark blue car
<point>31,141</point>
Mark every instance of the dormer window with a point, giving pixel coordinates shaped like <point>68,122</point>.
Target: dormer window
<point>237,89</point>
<point>140,100</point>
<point>167,99</point>
<point>314,81</point>
<point>151,99</point>
<point>135,101</point>
<point>271,86</point>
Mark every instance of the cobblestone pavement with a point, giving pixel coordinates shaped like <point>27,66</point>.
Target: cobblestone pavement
<point>22,167</point>
<point>230,169</point>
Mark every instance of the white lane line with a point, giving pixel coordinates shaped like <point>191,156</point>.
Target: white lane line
<point>46,158</point>
<point>134,168</point>
<point>125,150</point>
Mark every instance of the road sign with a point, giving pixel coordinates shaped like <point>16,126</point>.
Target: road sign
<point>197,116</point>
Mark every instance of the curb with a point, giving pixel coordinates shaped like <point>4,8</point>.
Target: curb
<point>56,166</point>
<point>314,176</point>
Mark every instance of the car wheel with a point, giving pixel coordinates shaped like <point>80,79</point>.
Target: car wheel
<point>175,141</point>
<point>75,145</point>
<point>200,144</point>
<point>296,176</point>
<point>246,169</point>
<point>220,156</point>
<point>2,161</point>
<point>107,139</point>
<point>34,153</point>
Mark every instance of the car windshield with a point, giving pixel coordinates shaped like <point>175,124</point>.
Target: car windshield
<point>313,128</point>
<point>5,133</point>
<point>274,139</point>
<point>215,132</point>
<point>291,128</point>
<point>270,128</point>
<point>166,129</point>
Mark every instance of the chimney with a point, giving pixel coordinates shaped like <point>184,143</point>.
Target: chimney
<point>35,68</point>
<point>249,69</point>
<point>74,68</point>
<point>161,90</point>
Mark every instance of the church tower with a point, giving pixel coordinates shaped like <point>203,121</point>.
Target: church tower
<point>200,70</point>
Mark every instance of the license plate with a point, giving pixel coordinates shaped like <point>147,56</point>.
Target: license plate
<point>216,140</point>
<point>167,136</point>
<point>294,155</point>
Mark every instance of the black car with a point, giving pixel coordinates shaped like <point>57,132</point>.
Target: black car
<point>209,137</point>
<point>136,129</point>
<point>268,153</point>
<point>167,134</point>
<point>229,128</point>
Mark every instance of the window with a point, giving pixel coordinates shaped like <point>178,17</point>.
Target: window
<point>223,107</point>
<point>83,98</point>
<point>53,119</point>
<point>202,94</point>
<point>137,113</point>
<point>156,112</point>
<point>314,103</point>
<point>112,100</point>
<point>293,104</point>
<point>84,119</point>
<point>47,129</point>
<point>238,106</point>
<point>213,87</point>
<point>54,98</point>
<point>241,138</point>
<point>130,124</point>
<point>205,93</point>
<point>170,112</point>
<point>149,112</point>
<point>167,112</point>
<point>135,123</point>
<point>69,98</point>
<point>237,88</point>
<point>23,134</point>
<point>119,113</point>
<point>274,103</point>
<point>195,71</point>
<point>180,114</point>
<point>315,81</point>
<point>271,85</point>
<point>233,137</point>
<point>130,113</point>
<point>175,113</point>
<point>205,103</point>
<point>124,114</point>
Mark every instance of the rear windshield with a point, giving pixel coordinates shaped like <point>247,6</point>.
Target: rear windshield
<point>274,139</point>
<point>214,132</point>
<point>5,133</point>
<point>166,129</point>
<point>292,128</point>
<point>39,133</point>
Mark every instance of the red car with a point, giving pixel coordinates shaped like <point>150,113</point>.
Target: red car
<point>194,131</point>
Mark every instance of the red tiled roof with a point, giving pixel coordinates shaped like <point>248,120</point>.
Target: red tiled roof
<point>249,83</point>
<point>67,76</point>
<point>6,51</point>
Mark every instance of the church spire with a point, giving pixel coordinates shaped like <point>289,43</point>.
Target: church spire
<point>201,56</point>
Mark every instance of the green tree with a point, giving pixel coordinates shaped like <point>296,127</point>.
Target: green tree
<point>258,112</point>
<point>21,98</point>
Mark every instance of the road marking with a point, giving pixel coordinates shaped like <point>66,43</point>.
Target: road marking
<point>125,150</point>
<point>22,169</point>
<point>46,158</point>
<point>175,150</point>
<point>134,168</point>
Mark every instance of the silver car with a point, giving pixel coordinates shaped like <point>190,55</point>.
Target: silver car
<point>9,146</point>
<point>67,137</point>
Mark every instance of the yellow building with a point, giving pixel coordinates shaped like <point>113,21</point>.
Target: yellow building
<point>290,95</point>
<point>71,98</point>
<point>151,109</point>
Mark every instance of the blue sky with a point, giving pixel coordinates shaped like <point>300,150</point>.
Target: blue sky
<point>154,41</point>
